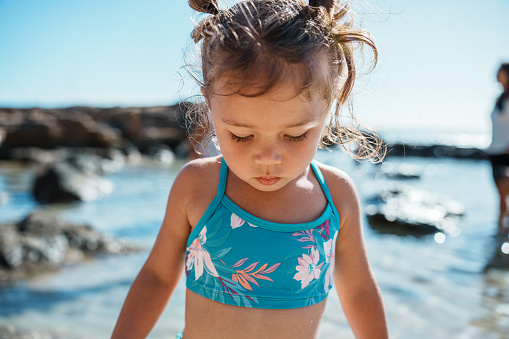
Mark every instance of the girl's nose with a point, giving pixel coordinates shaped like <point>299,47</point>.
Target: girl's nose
<point>268,156</point>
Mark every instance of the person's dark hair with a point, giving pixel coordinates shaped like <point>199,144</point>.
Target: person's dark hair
<point>505,94</point>
<point>256,44</point>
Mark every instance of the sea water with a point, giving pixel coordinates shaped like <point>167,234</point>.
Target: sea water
<point>433,287</point>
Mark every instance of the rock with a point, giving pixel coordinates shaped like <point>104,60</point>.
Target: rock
<point>92,127</point>
<point>11,250</point>
<point>42,242</point>
<point>403,171</point>
<point>63,182</point>
<point>435,151</point>
<point>408,210</point>
<point>3,133</point>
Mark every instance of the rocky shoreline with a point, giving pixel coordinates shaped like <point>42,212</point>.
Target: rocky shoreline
<point>134,129</point>
<point>42,243</point>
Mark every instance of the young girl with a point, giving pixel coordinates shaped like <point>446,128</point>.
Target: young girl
<point>499,148</point>
<point>262,230</point>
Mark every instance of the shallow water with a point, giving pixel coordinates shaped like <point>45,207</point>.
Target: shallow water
<point>430,289</point>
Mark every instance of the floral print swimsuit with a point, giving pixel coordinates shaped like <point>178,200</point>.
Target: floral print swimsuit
<point>238,259</point>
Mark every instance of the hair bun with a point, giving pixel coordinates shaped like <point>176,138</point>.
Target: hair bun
<point>205,6</point>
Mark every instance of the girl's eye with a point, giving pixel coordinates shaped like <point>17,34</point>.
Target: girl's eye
<point>297,138</point>
<point>240,139</point>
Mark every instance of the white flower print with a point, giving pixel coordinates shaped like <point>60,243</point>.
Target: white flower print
<point>308,268</point>
<point>236,221</point>
<point>330,258</point>
<point>198,256</point>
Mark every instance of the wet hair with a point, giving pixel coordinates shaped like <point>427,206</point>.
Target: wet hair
<point>256,44</point>
<point>505,94</point>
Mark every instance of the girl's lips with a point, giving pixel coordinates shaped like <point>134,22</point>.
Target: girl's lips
<point>267,181</point>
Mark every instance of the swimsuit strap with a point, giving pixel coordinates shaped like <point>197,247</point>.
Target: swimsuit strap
<point>222,179</point>
<point>324,187</point>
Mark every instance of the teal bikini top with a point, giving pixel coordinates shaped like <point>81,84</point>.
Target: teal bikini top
<point>238,259</point>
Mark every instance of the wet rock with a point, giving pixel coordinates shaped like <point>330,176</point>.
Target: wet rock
<point>64,182</point>
<point>408,210</point>
<point>402,171</point>
<point>434,151</point>
<point>3,133</point>
<point>42,242</point>
<point>11,250</point>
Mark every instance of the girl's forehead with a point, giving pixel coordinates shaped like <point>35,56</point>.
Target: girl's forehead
<point>281,108</point>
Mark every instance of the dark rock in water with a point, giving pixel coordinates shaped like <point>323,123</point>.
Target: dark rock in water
<point>3,133</point>
<point>42,242</point>
<point>63,182</point>
<point>434,151</point>
<point>403,171</point>
<point>408,210</point>
<point>11,249</point>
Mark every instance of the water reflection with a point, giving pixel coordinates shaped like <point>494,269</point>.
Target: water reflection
<point>494,318</point>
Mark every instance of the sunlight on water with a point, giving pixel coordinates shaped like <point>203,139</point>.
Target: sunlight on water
<point>434,286</point>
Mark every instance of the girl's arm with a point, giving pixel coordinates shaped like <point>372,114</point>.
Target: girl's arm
<point>357,289</point>
<point>161,273</point>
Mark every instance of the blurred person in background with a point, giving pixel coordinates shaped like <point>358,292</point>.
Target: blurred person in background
<point>499,148</point>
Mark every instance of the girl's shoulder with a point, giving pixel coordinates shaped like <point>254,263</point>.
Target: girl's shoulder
<point>200,174</point>
<point>196,184</point>
<point>341,188</point>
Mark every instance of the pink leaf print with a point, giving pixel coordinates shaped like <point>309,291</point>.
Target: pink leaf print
<point>271,268</point>
<point>306,235</point>
<point>240,262</point>
<point>251,267</point>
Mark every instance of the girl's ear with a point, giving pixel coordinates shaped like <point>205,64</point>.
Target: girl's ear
<point>202,89</point>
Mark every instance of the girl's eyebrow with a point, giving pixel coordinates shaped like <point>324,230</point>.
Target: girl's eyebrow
<point>298,124</point>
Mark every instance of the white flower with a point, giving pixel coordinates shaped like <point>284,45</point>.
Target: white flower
<point>330,258</point>
<point>236,221</point>
<point>198,256</point>
<point>308,268</point>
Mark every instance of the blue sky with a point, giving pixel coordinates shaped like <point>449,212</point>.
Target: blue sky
<point>437,64</point>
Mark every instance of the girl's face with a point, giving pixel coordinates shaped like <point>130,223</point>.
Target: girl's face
<point>268,141</point>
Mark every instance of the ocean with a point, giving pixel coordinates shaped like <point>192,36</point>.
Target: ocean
<point>433,287</point>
